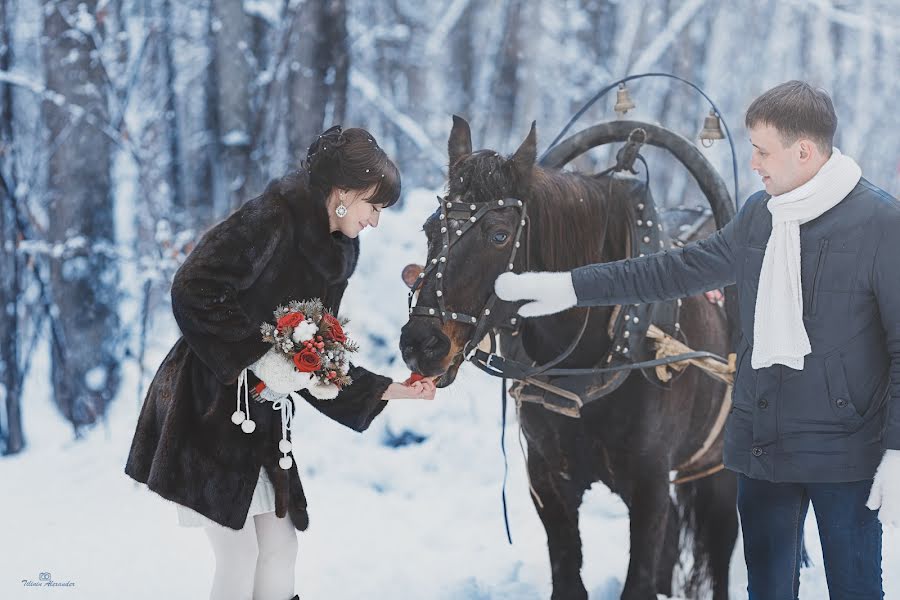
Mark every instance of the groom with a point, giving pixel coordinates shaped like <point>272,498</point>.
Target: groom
<point>816,415</point>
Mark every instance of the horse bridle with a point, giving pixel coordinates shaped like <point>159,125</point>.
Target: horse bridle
<point>470,212</point>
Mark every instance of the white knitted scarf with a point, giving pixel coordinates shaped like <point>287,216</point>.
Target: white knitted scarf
<point>779,335</point>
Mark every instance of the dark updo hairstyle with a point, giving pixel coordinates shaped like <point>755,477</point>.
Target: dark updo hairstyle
<point>351,159</point>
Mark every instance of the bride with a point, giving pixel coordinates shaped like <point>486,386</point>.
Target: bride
<point>296,241</point>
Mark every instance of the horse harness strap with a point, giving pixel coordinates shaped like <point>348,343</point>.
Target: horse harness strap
<point>629,323</point>
<point>697,466</point>
<point>467,214</point>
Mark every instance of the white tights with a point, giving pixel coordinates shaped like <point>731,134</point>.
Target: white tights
<point>256,562</point>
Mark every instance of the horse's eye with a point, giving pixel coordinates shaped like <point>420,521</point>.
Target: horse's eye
<point>500,237</point>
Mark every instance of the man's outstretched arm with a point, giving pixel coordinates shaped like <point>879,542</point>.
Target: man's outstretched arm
<point>677,273</point>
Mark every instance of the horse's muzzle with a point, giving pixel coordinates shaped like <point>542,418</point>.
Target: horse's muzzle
<point>424,347</point>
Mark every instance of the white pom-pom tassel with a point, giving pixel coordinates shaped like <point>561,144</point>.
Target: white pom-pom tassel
<point>285,462</point>
<point>284,446</point>
<point>237,417</point>
<point>248,426</point>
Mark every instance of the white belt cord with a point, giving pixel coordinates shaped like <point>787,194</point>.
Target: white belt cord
<point>239,417</point>
<point>285,404</point>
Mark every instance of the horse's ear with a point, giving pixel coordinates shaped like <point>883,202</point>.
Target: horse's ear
<point>460,142</point>
<point>410,274</point>
<point>523,160</point>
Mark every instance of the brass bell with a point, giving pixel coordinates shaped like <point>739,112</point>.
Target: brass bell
<point>712,130</point>
<point>623,101</point>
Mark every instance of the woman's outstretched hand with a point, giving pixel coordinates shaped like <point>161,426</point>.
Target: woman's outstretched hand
<point>423,389</point>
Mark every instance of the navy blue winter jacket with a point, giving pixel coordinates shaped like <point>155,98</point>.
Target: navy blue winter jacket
<point>831,421</point>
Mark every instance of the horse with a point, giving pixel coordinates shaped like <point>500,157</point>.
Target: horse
<point>632,438</point>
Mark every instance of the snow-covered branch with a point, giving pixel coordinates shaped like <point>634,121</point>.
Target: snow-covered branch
<point>75,111</point>
<point>438,38</point>
<point>405,123</point>
<point>667,36</point>
<point>885,24</point>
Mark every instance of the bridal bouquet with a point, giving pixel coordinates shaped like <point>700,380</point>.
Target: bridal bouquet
<point>315,341</point>
<point>309,351</point>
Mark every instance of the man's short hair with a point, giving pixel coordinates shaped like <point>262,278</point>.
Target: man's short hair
<point>796,109</point>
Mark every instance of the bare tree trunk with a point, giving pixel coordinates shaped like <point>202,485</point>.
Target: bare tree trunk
<point>171,112</point>
<point>306,96</point>
<point>233,39</point>
<point>158,139</point>
<point>317,73</point>
<point>337,47</point>
<point>85,369</point>
<point>683,110</point>
<point>11,436</point>
<point>507,87</point>
<point>464,48</point>
<point>489,28</point>
<point>194,112</point>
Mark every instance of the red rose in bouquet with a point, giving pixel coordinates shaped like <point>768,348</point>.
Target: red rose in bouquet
<point>335,331</point>
<point>307,361</point>
<point>291,319</point>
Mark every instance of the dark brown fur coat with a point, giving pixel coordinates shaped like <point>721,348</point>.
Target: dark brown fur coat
<point>275,248</point>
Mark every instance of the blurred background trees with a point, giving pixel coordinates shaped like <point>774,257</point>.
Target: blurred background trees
<point>127,127</point>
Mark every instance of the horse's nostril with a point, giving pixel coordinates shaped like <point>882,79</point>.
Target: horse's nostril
<point>411,362</point>
<point>435,347</point>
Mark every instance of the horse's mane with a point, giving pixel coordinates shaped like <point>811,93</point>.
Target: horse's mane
<point>575,219</point>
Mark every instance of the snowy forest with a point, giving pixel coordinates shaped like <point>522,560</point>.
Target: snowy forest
<point>129,127</point>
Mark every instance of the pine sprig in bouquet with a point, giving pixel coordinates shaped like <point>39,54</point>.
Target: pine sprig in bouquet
<point>314,339</point>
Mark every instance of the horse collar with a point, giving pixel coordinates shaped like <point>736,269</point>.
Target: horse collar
<point>629,323</point>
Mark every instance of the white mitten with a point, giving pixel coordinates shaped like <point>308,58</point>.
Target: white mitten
<point>549,292</point>
<point>279,374</point>
<point>885,494</point>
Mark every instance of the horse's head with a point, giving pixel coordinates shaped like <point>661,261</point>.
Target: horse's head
<point>477,233</point>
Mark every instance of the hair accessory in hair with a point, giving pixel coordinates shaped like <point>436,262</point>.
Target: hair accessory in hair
<point>333,136</point>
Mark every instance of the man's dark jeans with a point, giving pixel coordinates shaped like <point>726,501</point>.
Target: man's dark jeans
<point>772,516</point>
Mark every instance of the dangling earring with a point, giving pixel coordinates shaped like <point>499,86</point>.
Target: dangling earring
<point>341,210</point>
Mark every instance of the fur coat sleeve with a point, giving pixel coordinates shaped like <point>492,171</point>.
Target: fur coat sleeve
<point>226,261</point>
<point>359,403</point>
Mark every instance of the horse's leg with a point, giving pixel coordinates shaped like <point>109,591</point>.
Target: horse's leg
<point>712,502</point>
<point>723,530</point>
<point>668,553</point>
<point>559,500</point>
<point>648,506</point>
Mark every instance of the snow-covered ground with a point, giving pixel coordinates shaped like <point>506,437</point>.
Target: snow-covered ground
<point>417,522</point>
